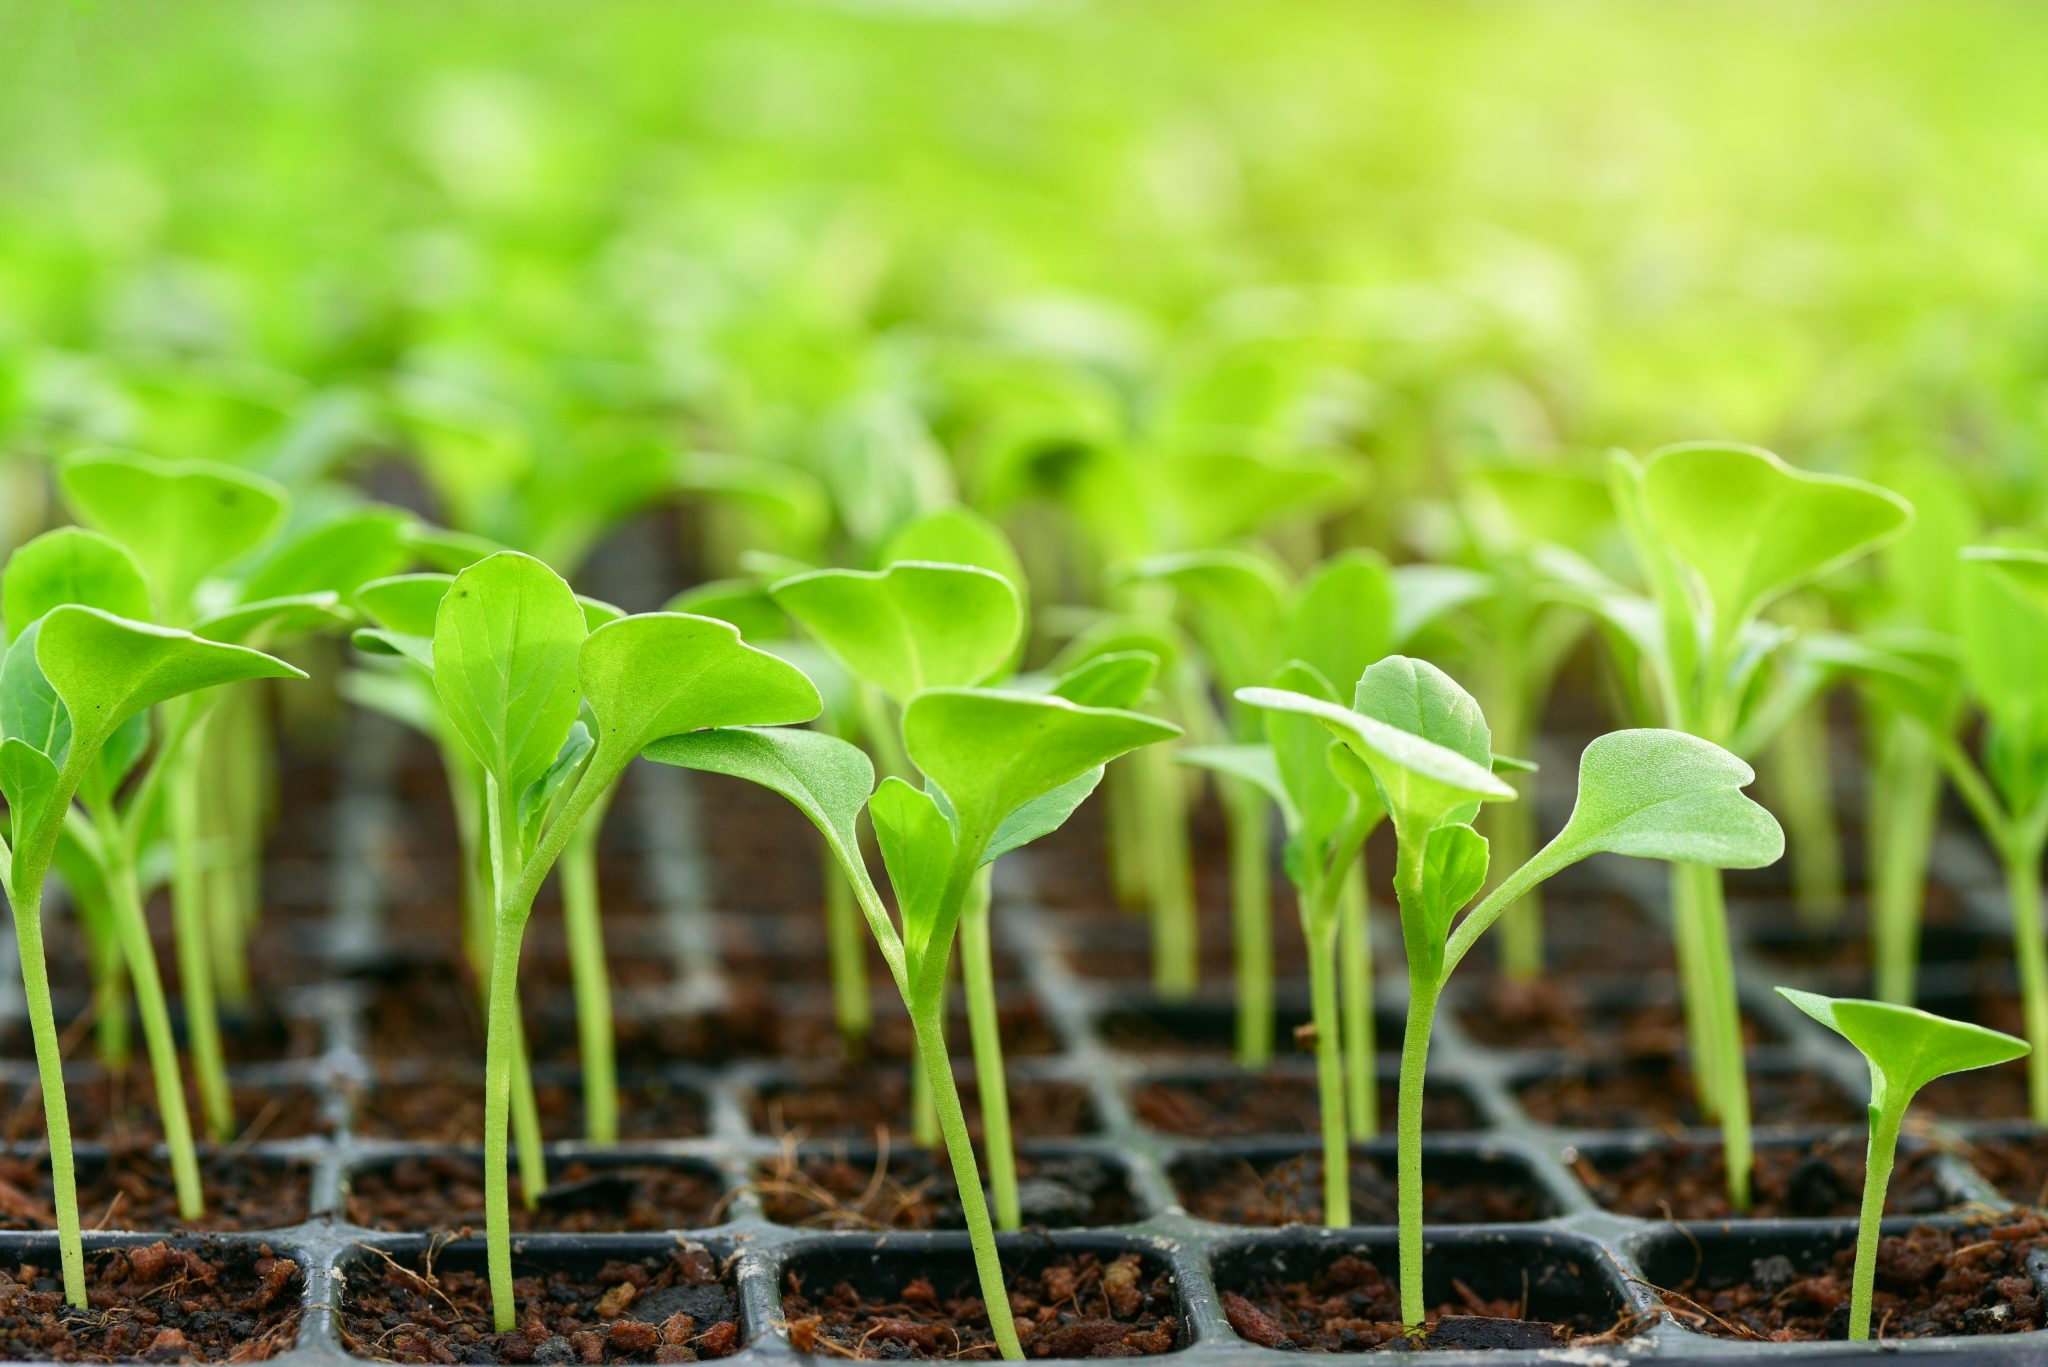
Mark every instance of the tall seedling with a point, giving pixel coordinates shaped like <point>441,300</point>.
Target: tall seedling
<point>76,686</point>
<point>1415,742</point>
<point>1001,769</point>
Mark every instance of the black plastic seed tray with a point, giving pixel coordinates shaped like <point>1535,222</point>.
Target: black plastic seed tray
<point>1105,1078</point>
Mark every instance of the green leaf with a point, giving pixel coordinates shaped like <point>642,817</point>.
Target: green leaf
<point>954,534</point>
<point>824,777</point>
<point>541,793</point>
<point>1424,594</point>
<point>658,674</point>
<point>994,751</point>
<point>1342,617</point>
<point>1752,528</point>
<point>29,781</point>
<point>911,627</point>
<point>1416,697</point>
<point>30,711</point>
<point>338,555</point>
<point>1300,744</point>
<point>743,602</point>
<point>783,507</point>
<point>71,565</point>
<point>1041,816</point>
<point>1454,869</point>
<point>917,844</point>
<point>2004,631</point>
<point>181,519</point>
<point>507,639</point>
<point>1247,763</point>
<point>405,603</point>
<point>1120,678</point>
<point>1233,602</point>
<point>1656,794</point>
<point>1907,1048</point>
<point>597,612</point>
<point>107,669</point>
<point>269,620</point>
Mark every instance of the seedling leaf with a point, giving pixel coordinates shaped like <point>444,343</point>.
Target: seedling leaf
<point>1118,679</point>
<point>1454,869</point>
<point>1041,816</point>
<point>911,627</point>
<point>1657,794</point>
<point>1342,618</point>
<point>1253,764</point>
<point>507,636</point>
<point>659,674</point>
<point>181,519</point>
<point>917,844</point>
<point>1907,1048</point>
<point>71,565</point>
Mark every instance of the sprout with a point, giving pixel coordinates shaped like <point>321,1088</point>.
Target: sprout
<point>1417,743</point>
<point>1002,769</point>
<point>1906,1049</point>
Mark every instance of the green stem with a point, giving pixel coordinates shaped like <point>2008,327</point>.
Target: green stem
<point>27,898</point>
<point>1354,955</point>
<point>846,943</point>
<point>1251,918</point>
<point>533,1158</point>
<point>1319,928</point>
<point>155,1012</point>
<point>1877,1172</point>
<point>1695,993</point>
<point>111,1035</point>
<point>1806,806</point>
<point>1904,793</point>
<point>2023,887</point>
<point>924,1112</point>
<point>501,1032</point>
<point>984,1031</point>
<point>1422,998</point>
<point>1723,1018</point>
<point>189,916</point>
<point>1513,834</point>
<point>587,971</point>
<point>928,1022</point>
<point>1175,962</point>
<point>1125,820</point>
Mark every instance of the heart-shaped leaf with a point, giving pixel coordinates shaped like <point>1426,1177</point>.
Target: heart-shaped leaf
<point>71,565</point>
<point>182,520</point>
<point>1656,794</point>
<point>1342,616</point>
<point>659,674</point>
<point>1752,527</point>
<point>1907,1048</point>
<point>911,627</point>
<point>107,669</point>
<point>993,751</point>
<point>507,639</point>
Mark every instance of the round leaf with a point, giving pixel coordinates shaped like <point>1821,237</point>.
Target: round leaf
<point>71,565</point>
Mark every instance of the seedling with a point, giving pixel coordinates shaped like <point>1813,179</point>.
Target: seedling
<point>1002,769</point>
<point>1906,1049</point>
<point>1415,742</point>
<point>75,690</point>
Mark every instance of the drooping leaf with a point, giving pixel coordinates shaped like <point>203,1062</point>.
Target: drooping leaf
<point>1907,1048</point>
<point>1752,527</point>
<point>993,751</point>
<point>507,639</point>
<point>71,565</point>
<point>405,603</point>
<point>181,519</point>
<point>824,777</point>
<point>911,627</point>
<point>658,674</point>
<point>1342,617</point>
<point>1656,794</point>
<point>107,669</point>
<point>1425,594</point>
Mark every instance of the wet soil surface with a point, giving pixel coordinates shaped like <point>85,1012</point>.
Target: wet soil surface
<point>674,1309</point>
<point>158,1303</point>
<point>1289,1190</point>
<point>1242,1105</point>
<point>1819,1181</point>
<point>1075,1306</point>
<point>1565,1017</point>
<point>450,1110</point>
<point>1657,1094</point>
<point>862,1103</point>
<point>1349,1307</point>
<point>135,1191</point>
<point>1967,1280</point>
<point>914,1190</point>
<point>121,1110</point>
<point>446,1192</point>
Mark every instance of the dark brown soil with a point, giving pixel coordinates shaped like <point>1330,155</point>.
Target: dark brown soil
<point>756,1027</point>
<point>446,1192</point>
<point>2017,1167</point>
<point>1999,1093</point>
<point>1241,1105</point>
<point>1930,1282</point>
<point>913,1189</point>
<point>1348,1307</point>
<point>1204,1030</point>
<point>450,1110</point>
<point>860,1103</point>
<point>1818,1181</point>
<point>770,860</point>
<point>1564,1016</point>
<point>674,1309</point>
<point>133,1191</point>
<point>1599,933</point>
<point>121,1111</point>
<point>160,1303</point>
<point>1075,1306</point>
<point>1657,1094</point>
<point>1289,1191</point>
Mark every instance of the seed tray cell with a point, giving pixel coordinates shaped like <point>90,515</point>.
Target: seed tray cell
<point>1132,1102</point>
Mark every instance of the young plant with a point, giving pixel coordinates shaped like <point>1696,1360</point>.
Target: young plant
<point>1416,743</point>
<point>76,687</point>
<point>1001,769</point>
<point>1906,1049</point>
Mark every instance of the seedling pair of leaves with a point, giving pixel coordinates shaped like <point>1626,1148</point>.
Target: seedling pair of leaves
<point>1906,1049</point>
<point>553,711</point>
<point>1416,744</point>
<point>1720,533</point>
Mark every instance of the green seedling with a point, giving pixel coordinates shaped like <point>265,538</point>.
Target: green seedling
<point>1001,769</point>
<point>1906,1049</point>
<point>76,687</point>
<point>1416,743</point>
<point>1720,534</point>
